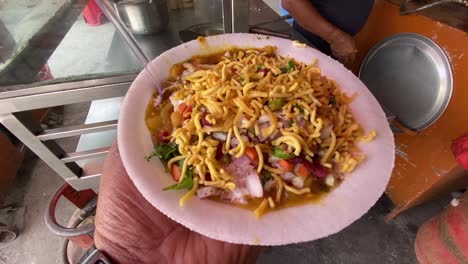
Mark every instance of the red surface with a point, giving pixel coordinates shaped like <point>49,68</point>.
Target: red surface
<point>460,151</point>
<point>93,14</point>
<point>457,226</point>
<point>44,74</point>
<point>433,246</point>
<point>84,241</point>
<point>78,198</point>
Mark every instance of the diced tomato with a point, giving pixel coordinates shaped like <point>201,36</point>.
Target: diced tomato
<point>252,155</point>
<point>175,172</point>
<point>314,168</point>
<point>286,165</point>
<point>184,108</point>
<point>302,170</point>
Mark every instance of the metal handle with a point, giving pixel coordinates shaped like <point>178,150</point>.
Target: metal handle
<point>58,229</point>
<point>131,41</point>
<point>96,257</point>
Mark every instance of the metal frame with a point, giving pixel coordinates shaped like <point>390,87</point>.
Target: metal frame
<point>41,142</point>
<point>236,16</point>
<point>14,100</point>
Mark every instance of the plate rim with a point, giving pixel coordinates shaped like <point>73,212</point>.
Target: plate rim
<point>127,148</point>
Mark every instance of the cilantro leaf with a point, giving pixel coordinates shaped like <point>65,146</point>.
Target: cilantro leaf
<point>291,65</point>
<point>277,152</point>
<point>267,177</point>
<point>164,151</point>
<point>186,183</point>
<point>298,106</point>
<point>332,101</point>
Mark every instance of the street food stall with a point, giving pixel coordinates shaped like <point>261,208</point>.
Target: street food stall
<point>410,55</point>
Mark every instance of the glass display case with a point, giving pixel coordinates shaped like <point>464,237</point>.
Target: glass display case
<point>61,52</point>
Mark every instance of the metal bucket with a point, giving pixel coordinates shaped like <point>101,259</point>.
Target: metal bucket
<point>143,16</point>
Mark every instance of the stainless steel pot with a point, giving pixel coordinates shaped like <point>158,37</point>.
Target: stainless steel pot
<point>143,16</point>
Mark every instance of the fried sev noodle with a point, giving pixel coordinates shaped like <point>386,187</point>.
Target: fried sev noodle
<point>234,89</point>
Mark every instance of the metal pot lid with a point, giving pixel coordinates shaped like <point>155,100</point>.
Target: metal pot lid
<point>410,75</point>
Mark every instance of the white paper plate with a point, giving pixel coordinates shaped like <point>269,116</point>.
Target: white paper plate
<point>353,198</point>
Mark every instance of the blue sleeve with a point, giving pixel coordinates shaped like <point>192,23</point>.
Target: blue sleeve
<point>348,15</point>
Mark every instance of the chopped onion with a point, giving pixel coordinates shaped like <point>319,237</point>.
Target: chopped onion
<point>244,121</point>
<point>204,121</point>
<point>269,184</point>
<point>234,142</point>
<point>272,159</point>
<point>254,185</point>
<point>287,175</point>
<point>301,122</point>
<point>220,136</point>
<point>325,132</point>
<point>164,137</point>
<point>175,102</point>
<point>330,180</point>
<point>240,162</point>
<point>264,125</point>
<point>236,196</point>
<point>298,182</point>
<point>189,66</point>
<point>263,119</point>
<point>208,191</point>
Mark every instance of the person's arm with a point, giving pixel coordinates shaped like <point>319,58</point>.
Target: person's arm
<point>305,14</point>
<point>128,229</point>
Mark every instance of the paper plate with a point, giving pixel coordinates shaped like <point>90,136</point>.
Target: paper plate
<point>352,199</point>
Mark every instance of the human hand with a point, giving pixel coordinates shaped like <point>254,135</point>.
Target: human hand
<point>130,230</point>
<point>342,47</point>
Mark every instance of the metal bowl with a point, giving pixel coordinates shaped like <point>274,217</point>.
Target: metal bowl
<point>410,75</point>
<point>143,16</point>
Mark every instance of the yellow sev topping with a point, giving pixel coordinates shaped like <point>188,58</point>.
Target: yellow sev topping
<point>234,94</point>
